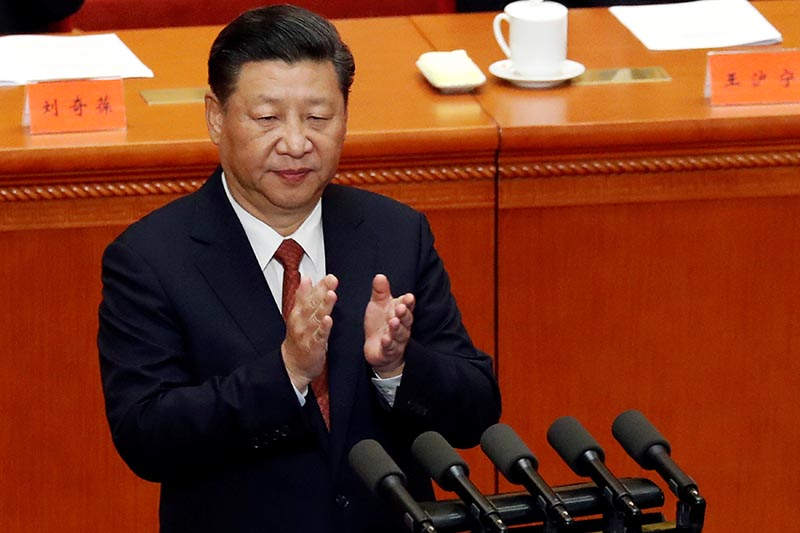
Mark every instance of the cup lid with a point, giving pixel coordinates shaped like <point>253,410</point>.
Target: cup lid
<point>535,9</point>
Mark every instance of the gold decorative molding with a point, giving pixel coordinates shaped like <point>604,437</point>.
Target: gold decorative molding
<point>77,191</point>
<point>357,178</point>
<point>391,176</point>
<point>533,184</point>
<point>649,165</point>
<point>108,203</point>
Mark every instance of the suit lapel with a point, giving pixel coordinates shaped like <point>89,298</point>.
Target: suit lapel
<point>228,263</point>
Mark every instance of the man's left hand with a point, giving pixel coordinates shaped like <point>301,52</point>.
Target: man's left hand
<point>387,328</point>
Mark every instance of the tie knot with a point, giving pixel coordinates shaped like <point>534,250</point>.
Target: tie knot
<point>289,254</point>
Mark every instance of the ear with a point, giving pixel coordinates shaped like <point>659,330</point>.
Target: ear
<point>214,117</point>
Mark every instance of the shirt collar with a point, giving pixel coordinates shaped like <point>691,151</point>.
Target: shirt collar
<point>265,241</point>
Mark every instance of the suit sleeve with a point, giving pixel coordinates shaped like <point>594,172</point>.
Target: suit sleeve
<point>448,385</point>
<point>165,421</point>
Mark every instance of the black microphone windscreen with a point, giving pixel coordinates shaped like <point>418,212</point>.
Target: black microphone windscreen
<point>504,447</point>
<point>372,464</point>
<point>436,456</point>
<point>569,438</point>
<point>637,435</point>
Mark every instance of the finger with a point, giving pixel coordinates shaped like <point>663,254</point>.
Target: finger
<point>390,342</point>
<point>322,295</point>
<point>399,330</point>
<point>325,327</point>
<point>407,320</point>
<point>326,306</point>
<point>404,314</point>
<point>400,311</point>
<point>305,285</point>
<point>381,291</point>
<point>302,294</point>
<point>330,281</point>
<point>408,299</point>
<point>316,339</point>
<point>322,309</point>
<point>322,333</point>
<point>387,343</point>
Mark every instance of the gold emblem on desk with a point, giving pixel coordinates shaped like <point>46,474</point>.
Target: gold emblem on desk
<point>184,95</point>
<point>622,75</point>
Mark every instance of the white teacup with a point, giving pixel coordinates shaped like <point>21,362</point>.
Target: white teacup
<point>537,43</point>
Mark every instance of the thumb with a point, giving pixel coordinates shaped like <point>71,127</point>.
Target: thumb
<point>381,291</point>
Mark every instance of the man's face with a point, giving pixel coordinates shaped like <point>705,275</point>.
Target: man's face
<point>280,137</point>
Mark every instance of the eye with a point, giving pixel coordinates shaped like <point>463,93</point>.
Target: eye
<point>267,118</point>
<point>318,122</point>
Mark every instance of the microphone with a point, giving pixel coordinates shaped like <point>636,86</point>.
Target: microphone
<point>651,451</point>
<point>518,464</point>
<point>451,473</point>
<point>382,475</point>
<point>586,458</point>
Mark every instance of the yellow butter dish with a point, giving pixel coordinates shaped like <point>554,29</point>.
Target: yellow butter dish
<point>451,72</point>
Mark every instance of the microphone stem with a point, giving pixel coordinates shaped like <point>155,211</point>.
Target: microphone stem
<point>479,507</point>
<point>549,502</point>
<point>416,517</point>
<point>618,496</point>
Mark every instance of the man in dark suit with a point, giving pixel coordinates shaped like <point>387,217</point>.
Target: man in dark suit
<point>209,389</point>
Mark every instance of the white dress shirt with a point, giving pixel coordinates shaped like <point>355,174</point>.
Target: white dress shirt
<point>265,242</point>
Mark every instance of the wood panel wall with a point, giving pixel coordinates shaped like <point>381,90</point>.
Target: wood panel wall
<point>59,469</point>
<point>685,307</point>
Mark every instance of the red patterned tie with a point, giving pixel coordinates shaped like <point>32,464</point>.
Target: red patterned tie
<point>289,254</point>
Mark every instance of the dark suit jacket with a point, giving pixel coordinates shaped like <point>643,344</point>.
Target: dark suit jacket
<point>198,399</point>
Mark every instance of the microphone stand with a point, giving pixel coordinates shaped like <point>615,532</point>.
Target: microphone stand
<point>583,500</point>
<point>690,512</point>
<point>615,521</point>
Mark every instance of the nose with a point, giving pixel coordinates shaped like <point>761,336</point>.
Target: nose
<point>294,140</point>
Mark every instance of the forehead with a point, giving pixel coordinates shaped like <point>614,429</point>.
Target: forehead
<point>276,79</point>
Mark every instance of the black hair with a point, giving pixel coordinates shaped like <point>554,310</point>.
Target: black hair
<point>279,32</point>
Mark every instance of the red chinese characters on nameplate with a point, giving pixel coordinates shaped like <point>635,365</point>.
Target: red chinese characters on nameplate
<point>73,106</point>
<point>760,77</point>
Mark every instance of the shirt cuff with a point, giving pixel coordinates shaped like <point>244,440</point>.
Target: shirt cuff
<point>387,387</point>
<point>301,396</point>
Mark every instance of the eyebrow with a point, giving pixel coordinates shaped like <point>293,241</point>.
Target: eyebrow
<point>263,99</point>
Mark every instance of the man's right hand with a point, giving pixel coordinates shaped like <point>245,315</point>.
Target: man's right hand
<point>308,328</point>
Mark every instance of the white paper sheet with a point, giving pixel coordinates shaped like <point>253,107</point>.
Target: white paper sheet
<point>698,24</point>
<point>30,58</point>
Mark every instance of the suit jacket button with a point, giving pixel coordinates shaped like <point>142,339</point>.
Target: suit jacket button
<point>417,409</point>
<point>342,501</point>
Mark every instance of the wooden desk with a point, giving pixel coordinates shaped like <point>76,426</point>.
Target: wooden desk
<point>64,197</point>
<point>649,257</point>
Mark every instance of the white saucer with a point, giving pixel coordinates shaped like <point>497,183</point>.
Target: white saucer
<point>569,69</point>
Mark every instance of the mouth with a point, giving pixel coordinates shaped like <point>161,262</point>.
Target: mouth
<point>293,175</point>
